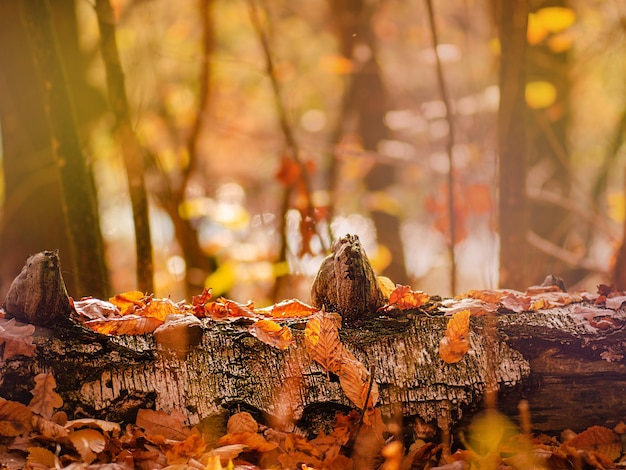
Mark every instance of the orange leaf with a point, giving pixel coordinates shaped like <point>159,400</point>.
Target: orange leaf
<point>129,301</point>
<point>181,452</point>
<point>321,338</point>
<point>272,333</point>
<point>159,309</point>
<point>242,422</point>
<point>38,456</point>
<point>49,429</point>
<point>225,308</point>
<point>88,443</point>
<point>289,171</point>
<point>404,298</point>
<point>199,302</point>
<point>455,343</point>
<point>292,308</point>
<point>45,399</point>
<point>127,325</point>
<point>17,339</point>
<point>15,418</point>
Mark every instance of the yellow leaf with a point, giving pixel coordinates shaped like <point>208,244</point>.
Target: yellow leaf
<point>616,205</point>
<point>561,42</point>
<point>536,31</point>
<point>556,19</point>
<point>386,285</point>
<point>540,94</point>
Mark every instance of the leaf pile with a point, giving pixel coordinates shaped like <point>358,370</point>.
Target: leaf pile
<point>159,440</point>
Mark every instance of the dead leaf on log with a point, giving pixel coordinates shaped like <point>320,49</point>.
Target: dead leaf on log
<point>45,399</point>
<point>354,379</point>
<point>126,325</point>
<point>95,309</point>
<point>292,308</point>
<point>321,339</point>
<point>127,302</point>
<point>455,343</point>
<point>403,298</point>
<point>229,309</point>
<point>17,339</point>
<point>272,333</point>
<point>38,456</point>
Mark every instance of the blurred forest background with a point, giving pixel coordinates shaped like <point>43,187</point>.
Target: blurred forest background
<point>237,137</point>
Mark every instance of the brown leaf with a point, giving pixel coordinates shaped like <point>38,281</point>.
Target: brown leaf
<point>199,302</point>
<point>88,443</point>
<point>49,429</point>
<point>15,418</point>
<point>598,439</point>
<point>38,456</point>
<point>321,338</point>
<point>272,333</point>
<point>292,308</point>
<point>45,399</point>
<point>106,426</point>
<point>455,343</point>
<point>169,425</point>
<point>354,379</point>
<point>17,339</point>
<point>242,422</point>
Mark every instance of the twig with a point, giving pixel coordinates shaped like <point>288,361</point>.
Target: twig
<point>449,145</point>
<point>287,131</point>
<point>129,144</point>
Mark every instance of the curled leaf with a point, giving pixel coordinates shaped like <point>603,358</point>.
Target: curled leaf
<point>455,343</point>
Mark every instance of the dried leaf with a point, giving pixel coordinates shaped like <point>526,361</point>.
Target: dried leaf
<point>159,309</point>
<point>252,440</point>
<point>17,339</point>
<point>49,429</point>
<point>169,425</point>
<point>106,426</point>
<point>45,399</point>
<point>404,298</point>
<point>598,439</point>
<point>129,301</point>
<point>95,309</point>
<point>15,418</point>
<point>225,308</point>
<point>88,443</point>
<point>192,446</point>
<point>321,339</point>
<point>39,456</point>
<point>354,379</point>
<point>292,308</point>
<point>386,285</point>
<point>127,325</point>
<point>272,333</point>
<point>242,422</point>
<point>455,343</point>
<point>199,302</point>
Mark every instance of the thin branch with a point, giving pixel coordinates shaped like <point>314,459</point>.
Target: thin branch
<point>285,126</point>
<point>562,254</point>
<point>443,90</point>
<point>130,147</point>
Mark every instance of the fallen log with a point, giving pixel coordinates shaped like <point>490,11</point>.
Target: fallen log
<point>567,361</point>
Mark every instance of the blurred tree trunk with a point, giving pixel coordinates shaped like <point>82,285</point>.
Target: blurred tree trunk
<point>77,185</point>
<point>513,20</point>
<point>366,104</point>
<point>129,146</point>
<point>548,154</point>
<point>32,218</point>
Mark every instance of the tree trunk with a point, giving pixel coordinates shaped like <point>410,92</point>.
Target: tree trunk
<point>513,223</point>
<point>555,358</point>
<point>77,185</point>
